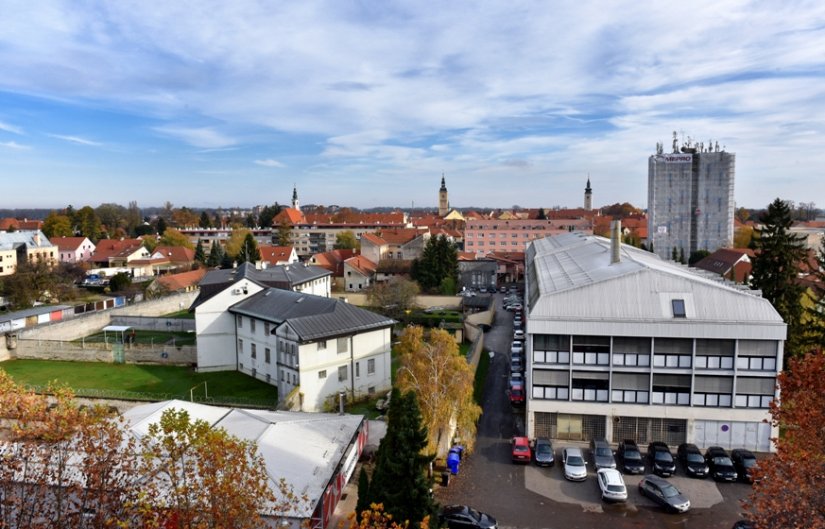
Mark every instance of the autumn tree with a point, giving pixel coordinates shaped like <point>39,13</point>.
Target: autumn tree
<point>87,223</point>
<point>133,218</point>
<point>779,254</point>
<point>236,241</point>
<point>172,237</point>
<point>742,237</point>
<point>185,217</point>
<point>284,234</point>
<point>813,317</point>
<point>56,225</point>
<point>399,480</point>
<point>393,297</point>
<point>787,492</point>
<point>374,517</point>
<point>32,281</point>
<point>346,240</point>
<point>112,216</point>
<point>441,377</point>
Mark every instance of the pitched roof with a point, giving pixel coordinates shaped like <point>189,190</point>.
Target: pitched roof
<point>311,317</point>
<point>176,254</point>
<point>373,239</point>
<point>175,282</point>
<point>363,265</point>
<point>725,260</point>
<point>356,217</point>
<point>333,260</point>
<point>68,244</point>
<point>106,248</point>
<point>400,235</point>
<point>28,238</point>
<point>289,216</point>
<point>466,256</point>
<point>275,254</point>
<point>25,224</point>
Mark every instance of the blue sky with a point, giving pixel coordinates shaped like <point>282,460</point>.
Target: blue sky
<point>367,103</point>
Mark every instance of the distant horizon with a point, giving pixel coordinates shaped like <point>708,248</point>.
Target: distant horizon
<point>366,103</point>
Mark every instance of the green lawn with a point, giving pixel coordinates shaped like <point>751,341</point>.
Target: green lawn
<point>181,314</point>
<point>144,337</point>
<point>165,381</point>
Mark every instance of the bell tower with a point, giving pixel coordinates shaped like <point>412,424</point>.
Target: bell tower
<point>588,196</point>
<point>443,201</point>
<point>295,203</point>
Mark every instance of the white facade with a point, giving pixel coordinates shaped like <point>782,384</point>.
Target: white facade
<point>639,348</point>
<point>317,287</point>
<point>8,260</point>
<point>215,327</point>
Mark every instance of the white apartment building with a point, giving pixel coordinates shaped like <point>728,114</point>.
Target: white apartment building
<point>622,344</point>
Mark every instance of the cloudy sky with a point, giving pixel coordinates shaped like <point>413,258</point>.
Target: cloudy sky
<point>367,103</point>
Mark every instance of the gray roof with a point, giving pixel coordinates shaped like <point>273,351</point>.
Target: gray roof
<point>29,238</point>
<point>570,277</point>
<point>311,317</point>
<point>35,311</point>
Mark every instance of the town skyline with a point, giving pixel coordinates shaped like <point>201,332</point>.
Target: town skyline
<point>367,105</point>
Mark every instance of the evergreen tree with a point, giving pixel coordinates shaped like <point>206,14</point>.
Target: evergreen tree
<point>779,254</point>
<point>674,254</point>
<point>363,493</point>
<point>682,255</point>
<point>249,252</point>
<point>200,255</point>
<point>161,225</point>
<point>541,215</point>
<point>215,255</point>
<point>438,262</point>
<point>399,480</point>
<point>226,261</point>
<point>205,221</point>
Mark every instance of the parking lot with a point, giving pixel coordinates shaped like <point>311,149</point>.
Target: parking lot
<point>527,496</point>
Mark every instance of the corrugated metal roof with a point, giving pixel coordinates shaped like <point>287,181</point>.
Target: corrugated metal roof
<point>35,311</point>
<point>307,466</point>
<point>571,277</point>
<point>311,317</point>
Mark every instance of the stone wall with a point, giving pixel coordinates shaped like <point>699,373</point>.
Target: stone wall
<point>148,323</point>
<point>33,349</point>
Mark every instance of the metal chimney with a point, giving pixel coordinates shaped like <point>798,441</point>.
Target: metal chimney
<point>615,241</point>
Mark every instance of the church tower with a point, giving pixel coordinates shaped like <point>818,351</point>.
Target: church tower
<point>588,196</point>
<point>443,202</point>
<point>295,203</point>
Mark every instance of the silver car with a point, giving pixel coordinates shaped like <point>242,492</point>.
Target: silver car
<point>575,467</point>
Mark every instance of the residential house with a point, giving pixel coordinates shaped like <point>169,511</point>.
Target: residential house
<point>108,249</point>
<point>12,224</point>
<point>74,249</point>
<point>622,344</point>
<point>333,261</point>
<point>359,273</point>
<point>277,255</point>
<point>175,283</point>
<point>475,273</point>
<point>404,244</point>
<point>314,233</point>
<point>29,246</point>
<point>733,264</point>
<point>8,259</point>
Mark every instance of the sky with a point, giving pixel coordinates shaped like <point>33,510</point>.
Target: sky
<point>367,103</point>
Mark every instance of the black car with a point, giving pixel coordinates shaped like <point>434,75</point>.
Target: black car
<point>744,462</point>
<point>720,465</point>
<point>661,460</point>
<point>664,493</point>
<point>463,517</point>
<point>630,458</point>
<point>692,460</point>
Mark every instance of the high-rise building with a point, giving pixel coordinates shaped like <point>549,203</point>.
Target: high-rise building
<point>690,199</point>
<point>443,202</point>
<point>588,196</point>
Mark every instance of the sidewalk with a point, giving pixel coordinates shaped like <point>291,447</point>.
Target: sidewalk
<point>346,506</point>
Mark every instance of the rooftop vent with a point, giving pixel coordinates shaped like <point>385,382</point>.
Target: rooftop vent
<point>615,241</point>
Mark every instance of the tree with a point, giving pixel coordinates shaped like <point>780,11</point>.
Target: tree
<point>742,237</point>
<point>284,234</point>
<point>200,255</point>
<point>112,216</point>
<point>133,218</point>
<point>697,256</point>
<point>393,297</point>
<point>776,266</point>
<point>88,223</point>
<point>215,255</point>
<point>268,214</point>
<point>788,490</point>
<point>120,282</point>
<point>56,225</point>
<point>32,281</point>
<point>185,217</point>
<point>205,221</point>
<point>399,481</point>
<point>236,242</point>
<point>363,502</point>
<point>742,215</point>
<point>249,252</point>
<point>172,237</point>
<point>541,215</point>
<point>160,226</point>
<point>438,261</point>
<point>442,379</point>
<point>346,240</point>
<point>813,317</point>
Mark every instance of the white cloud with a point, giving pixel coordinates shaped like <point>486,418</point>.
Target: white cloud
<point>269,162</point>
<point>203,137</point>
<point>14,146</point>
<point>11,128</point>
<point>76,139</point>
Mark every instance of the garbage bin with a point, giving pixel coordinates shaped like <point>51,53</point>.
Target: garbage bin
<point>453,460</point>
<point>445,479</point>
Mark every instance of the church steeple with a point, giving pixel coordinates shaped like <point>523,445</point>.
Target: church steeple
<point>295,203</point>
<point>443,201</point>
<point>588,196</point>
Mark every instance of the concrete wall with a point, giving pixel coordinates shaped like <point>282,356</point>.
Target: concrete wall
<point>86,324</point>
<point>148,323</point>
<point>133,353</point>
<point>360,299</point>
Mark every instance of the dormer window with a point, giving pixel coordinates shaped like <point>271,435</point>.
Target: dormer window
<point>678,308</point>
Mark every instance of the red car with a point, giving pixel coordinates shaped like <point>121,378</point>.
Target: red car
<point>521,450</point>
<point>517,395</point>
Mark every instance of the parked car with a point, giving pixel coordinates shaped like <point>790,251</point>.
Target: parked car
<point>602,454</point>
<point>744,462</point>
<point>575,467</point>
<point>664,493</point>
<point>630,457</point>
<point>661,460</point>
<point>517,347</point>
<point>517,396</point>
<point>543,452</point>
<point>503,290</point>
<point>516,364</point>
<point>464,517</point>
<point>692,460</point>
<point>611,484</point>
<point>516,379</point>
<point>720,465</point>
<point>518,334</point>
<point>521,450</point>
<point>517,326</point>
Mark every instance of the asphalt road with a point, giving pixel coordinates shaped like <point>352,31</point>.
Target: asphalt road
<point>528,497</point>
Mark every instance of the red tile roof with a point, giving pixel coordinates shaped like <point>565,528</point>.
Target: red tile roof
<point>176,282</point>
<point>67,244</point>
<point>275,254</point>
<point>176,254</point>
<point>107,248</point>
<point>400,235</point>
<point>373,238</point>
<point>333,260</point>
<point>290,216</point>
<point>362,265</point>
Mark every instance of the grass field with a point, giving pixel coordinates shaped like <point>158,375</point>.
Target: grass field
<point>169,381</point>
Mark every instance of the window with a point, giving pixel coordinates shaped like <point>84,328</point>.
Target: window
<point>357,369</point>
<point>254,351</point>
<point>266,328</point>
<point>342,373</point>
<point>251,325</point>
<point>240,345</point>
<point>266,355</point>
<point>343,345</point>
<point>371,366</point>
<point>322,344</point>
<point>322,373</point>
<point>239,319</point>
<point>678,308</point>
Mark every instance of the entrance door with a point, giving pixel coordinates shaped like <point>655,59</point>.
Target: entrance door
<point>569,427</point>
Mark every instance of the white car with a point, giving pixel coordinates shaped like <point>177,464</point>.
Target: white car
<point>517,347</point>
<point>612,484</point>
<point>575,467</point>
<point>518,334</point>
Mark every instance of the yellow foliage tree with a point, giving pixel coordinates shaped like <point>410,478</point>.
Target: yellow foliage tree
<point>235,242</point>
<point>443,381</point>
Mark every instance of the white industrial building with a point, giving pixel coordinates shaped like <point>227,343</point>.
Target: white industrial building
<point>622,344</point>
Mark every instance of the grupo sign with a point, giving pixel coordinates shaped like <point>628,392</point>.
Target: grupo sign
<point>678,158</point>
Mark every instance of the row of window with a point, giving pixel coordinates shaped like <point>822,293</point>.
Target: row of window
<point>751,363</point>
<point>493,243</point>
<point>670,398</point>
<point>343,371</point>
